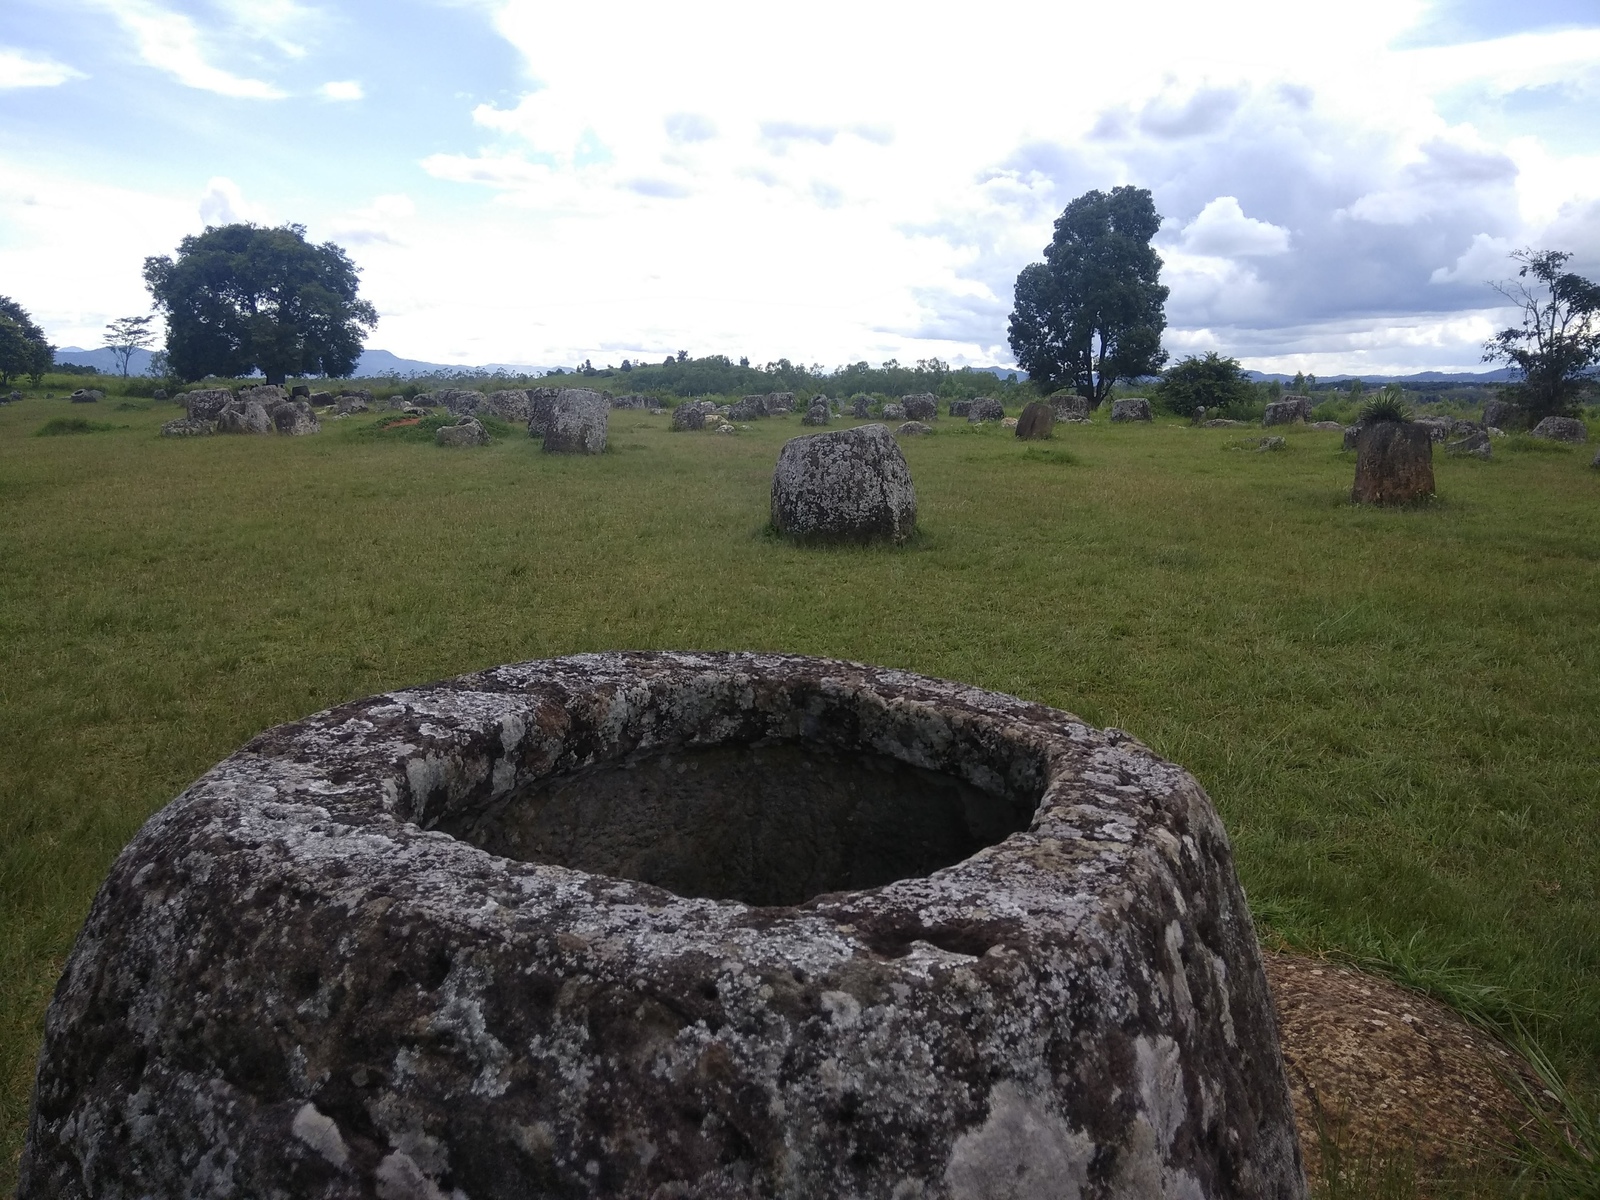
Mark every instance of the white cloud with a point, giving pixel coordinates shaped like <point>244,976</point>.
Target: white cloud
<point>343,89</point>
<point>19,69</point>
<point>1485,259</point>
<point>831,199</point>
<point>170,42</point>
<point>1223,231</point>
<point>223,203</point>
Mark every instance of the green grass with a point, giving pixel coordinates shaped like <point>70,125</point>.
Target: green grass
<point>1393,709</point>
<point>62,425</point>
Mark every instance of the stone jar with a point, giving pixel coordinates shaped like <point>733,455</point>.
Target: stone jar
<point>671,925</point>
<point>1561,429</point>
<point>1038,421</point>
<point>1134,408</point>
<point>852,485</point>
<point>579,419</point>
<point>1394,463</point>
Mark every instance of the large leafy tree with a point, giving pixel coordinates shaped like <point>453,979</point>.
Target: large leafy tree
<point>23,348</point>
<point>1559,340</point>
<point>240,298</point>
<point>1092,312</point>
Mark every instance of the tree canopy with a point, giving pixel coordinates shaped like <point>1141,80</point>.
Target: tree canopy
<point>241,298</point>
<point>1092,312</point>
<point>23,348</point>
<point>1209,382</point>
<point>127,334</point>
<point>1559,340</point>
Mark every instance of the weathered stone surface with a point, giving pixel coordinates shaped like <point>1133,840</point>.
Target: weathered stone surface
<point>1134,408</point>
<point>912,429</point>
<point>268,395</point>
<point>325,400</point>
<point>295,418</point>
<point>960,408</point>
<point>1561,429</point>
<point>541,403</point>
<point>780,402</point>
<point>509,404</point>
<point>634,401</point>
<point>1271,443</point>
<point>1351,434</point>
<point>1066,406</point>
<point>921,407</point>
<point>1476,444</point>
<point>817,414</point>
<point>985,408</point>
<point>300,391</point>
<point>1504,415</point>
<point>1394,463</point>
<point>894,412</point>
<point>1198,416</point>
<point>205,403</point>
<point>688,415</point>
<point>467,431</point>
<point>244,416</point>
<point>158,394</point>
<point>1038,421</point>
<point>749,408</point>
<point>860,406</point>
<point>351,402</point>
<point>461,402</point>
<point>87,396</point>
<point>1287,411</point>
<point>1438,428</point>
<point>578,423</point>
<point>852,485</point>
<point>188,427</point>
<point>897,938</point>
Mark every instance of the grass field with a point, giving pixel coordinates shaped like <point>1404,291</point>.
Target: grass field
<point>1394,710</point>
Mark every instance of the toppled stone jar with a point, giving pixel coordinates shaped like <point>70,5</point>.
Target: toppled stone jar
<point>671,925</point>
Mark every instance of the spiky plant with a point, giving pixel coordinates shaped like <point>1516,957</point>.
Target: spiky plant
<point>1384,407</point>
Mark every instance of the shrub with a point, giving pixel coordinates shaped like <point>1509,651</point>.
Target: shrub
<point>1385,406</point>
<point>1212,382</point>
<point>63,425</point>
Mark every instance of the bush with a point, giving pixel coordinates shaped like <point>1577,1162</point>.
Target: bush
<point>63,425</point>
<point>1212,382</point>
<point>1386,406</point>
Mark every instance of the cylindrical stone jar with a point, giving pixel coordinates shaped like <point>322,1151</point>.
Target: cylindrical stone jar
<point>671,925</point>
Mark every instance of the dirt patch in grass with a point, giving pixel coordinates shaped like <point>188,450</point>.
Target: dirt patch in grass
<point>1390,1074</point>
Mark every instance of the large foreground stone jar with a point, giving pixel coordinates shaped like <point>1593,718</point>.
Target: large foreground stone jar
<point>671,925</point>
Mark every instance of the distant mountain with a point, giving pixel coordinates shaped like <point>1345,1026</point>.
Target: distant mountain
<point>1503,375</point>
<point>104,360</point>
<point>1002,372</point>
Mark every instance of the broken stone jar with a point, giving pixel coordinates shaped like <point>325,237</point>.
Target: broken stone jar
<point>671,925</point>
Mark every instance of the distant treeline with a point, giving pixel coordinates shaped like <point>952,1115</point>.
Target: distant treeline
<point>718,375</point>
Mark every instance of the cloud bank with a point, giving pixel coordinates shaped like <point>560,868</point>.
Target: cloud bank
<point>867,182</point>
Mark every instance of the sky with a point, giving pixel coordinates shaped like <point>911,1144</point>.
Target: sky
<point>528,182</point>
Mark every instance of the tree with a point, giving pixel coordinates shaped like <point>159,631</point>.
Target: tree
<point>127,334</point>
<point>1559,341</point>
<point>1211,382</point>
<point>1092,312</point>
<point>23,348</point>
<point>240,298</point>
